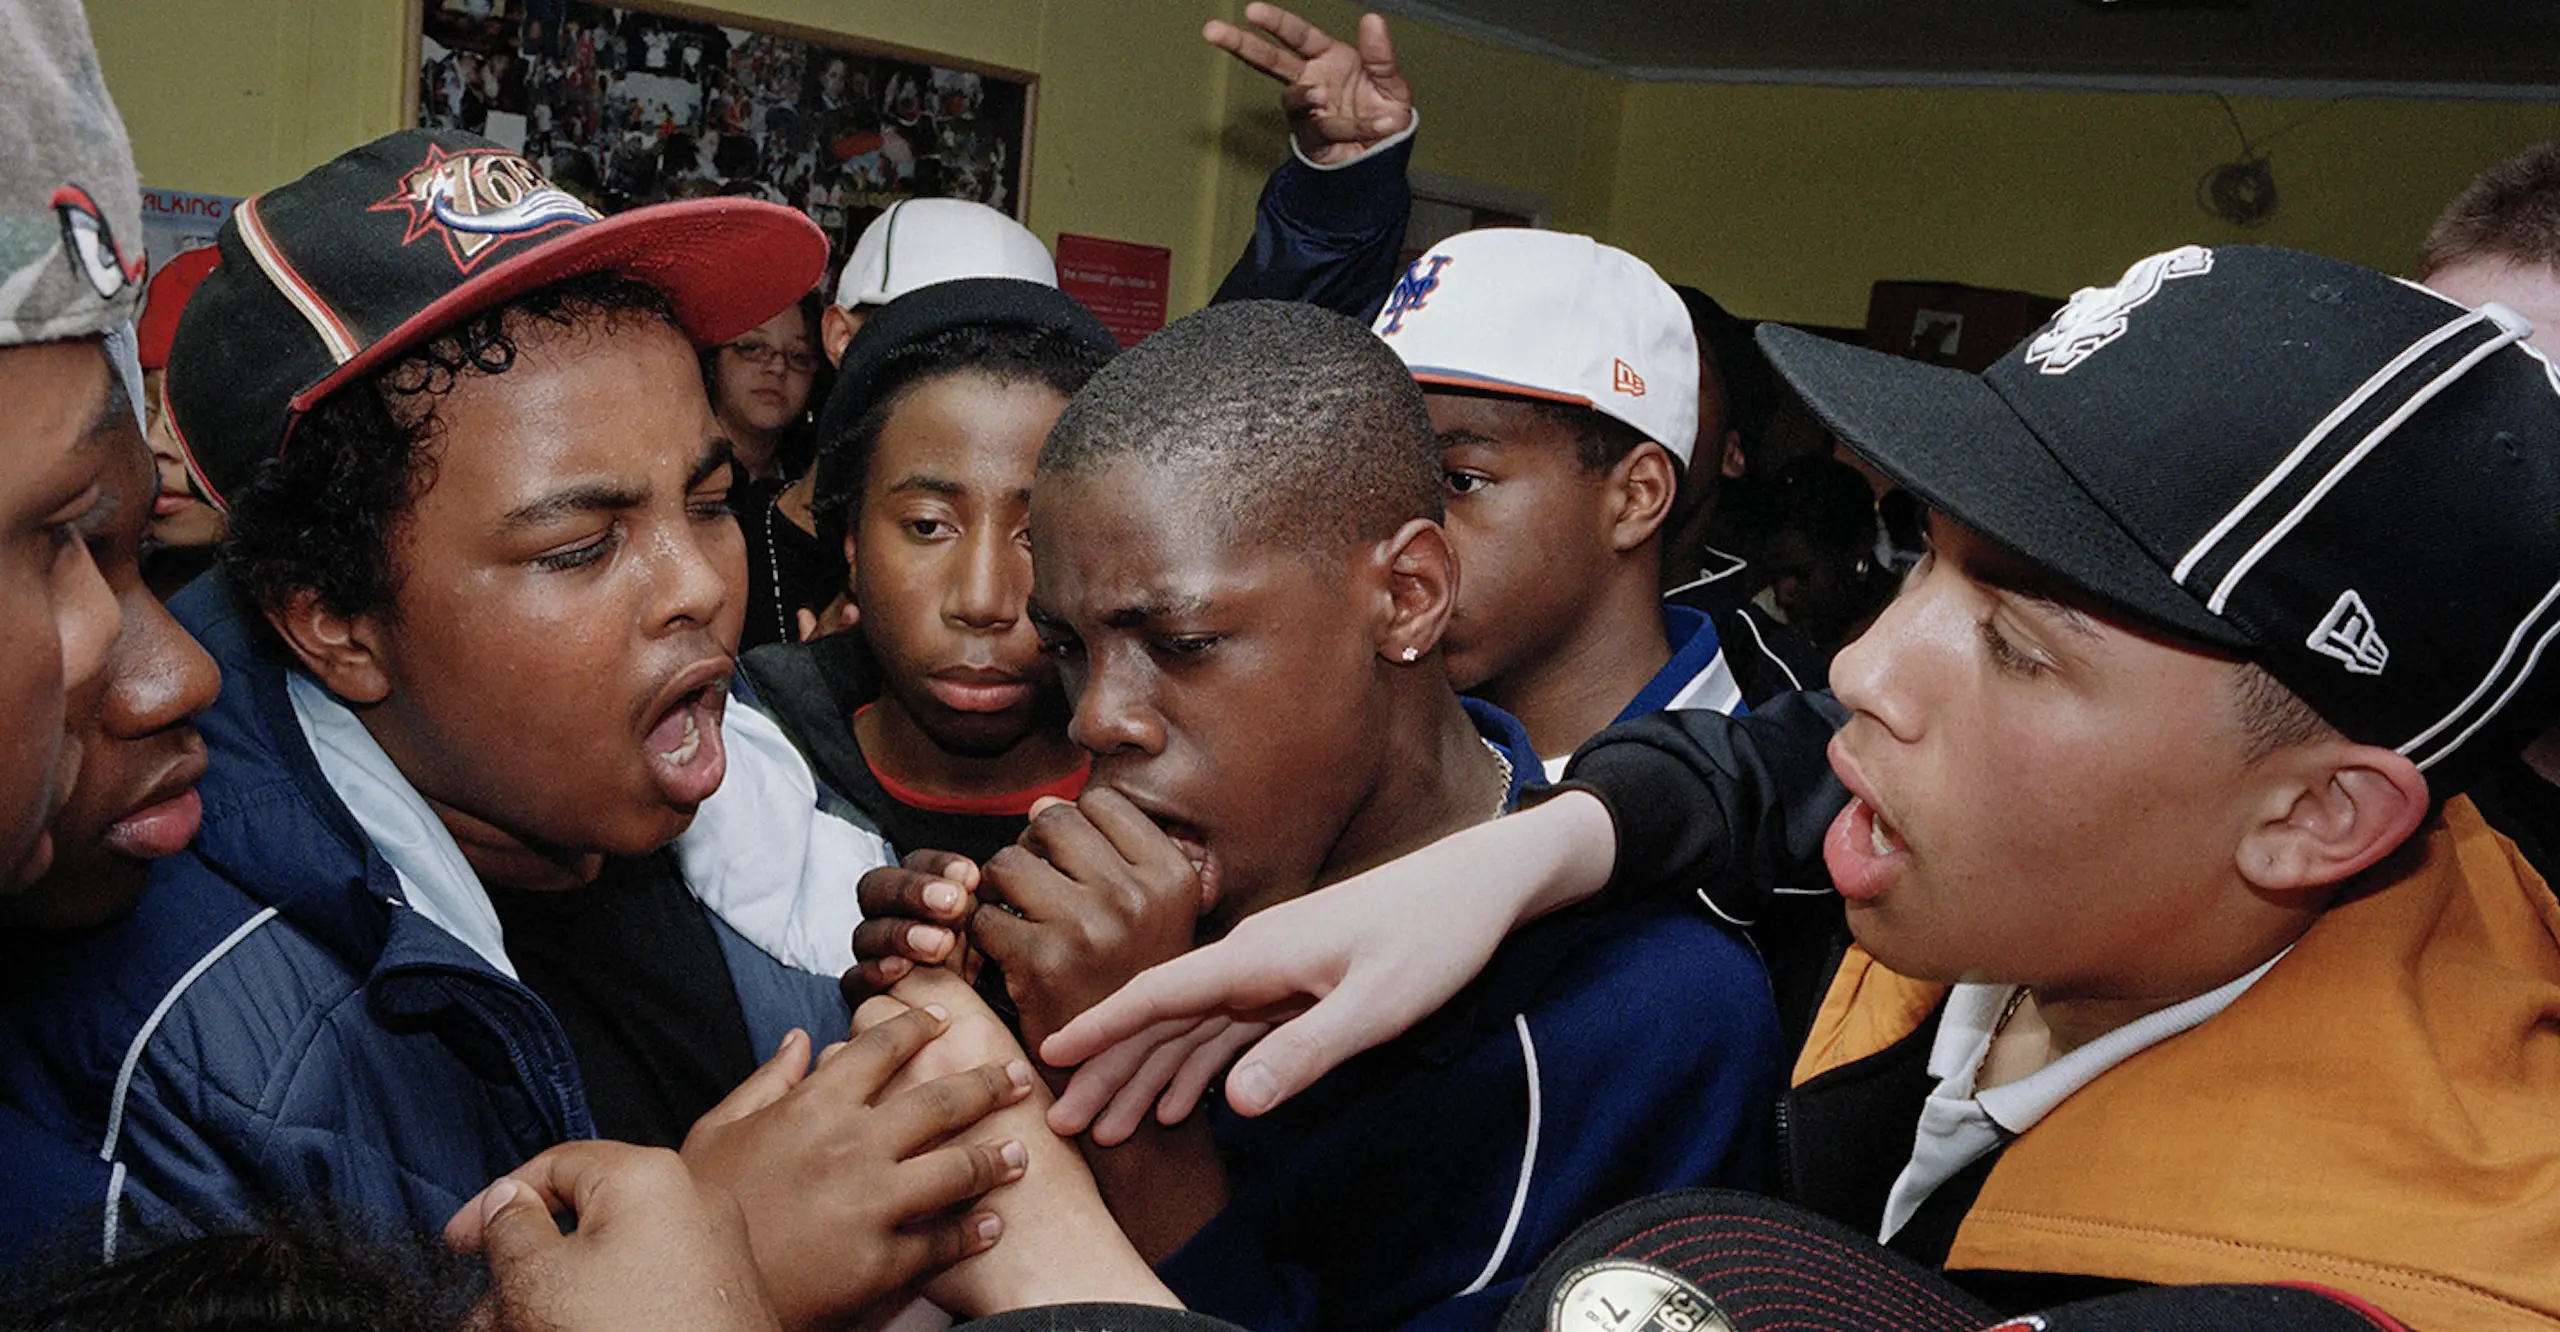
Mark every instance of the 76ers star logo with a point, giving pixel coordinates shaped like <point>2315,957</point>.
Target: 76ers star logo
<point>478,199</point>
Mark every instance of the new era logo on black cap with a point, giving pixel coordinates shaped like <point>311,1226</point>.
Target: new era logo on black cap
<point>2343,476</point>
<point>2348,634</point>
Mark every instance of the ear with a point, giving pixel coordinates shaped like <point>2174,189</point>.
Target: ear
<point>1734,464</point>
<point>345,652</point>
<point>836,327</point>
<point>1417,573</point>
<point>2334,808</point>
<point>1641,488</point>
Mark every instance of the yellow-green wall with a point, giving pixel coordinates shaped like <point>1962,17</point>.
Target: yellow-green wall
<point>1786,201</point>
<point>1789,201</point>
<point>1143,132</point>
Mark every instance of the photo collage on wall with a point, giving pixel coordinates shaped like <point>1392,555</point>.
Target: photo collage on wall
<point>623,107</point>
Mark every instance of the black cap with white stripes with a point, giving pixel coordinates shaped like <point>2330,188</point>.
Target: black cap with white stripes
<point>2345,477</point>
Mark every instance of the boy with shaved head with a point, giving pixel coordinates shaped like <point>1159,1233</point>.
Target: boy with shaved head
<point>1241,570</point>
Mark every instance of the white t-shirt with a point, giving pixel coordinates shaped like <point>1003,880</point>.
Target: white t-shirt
<point>1959,1126</point>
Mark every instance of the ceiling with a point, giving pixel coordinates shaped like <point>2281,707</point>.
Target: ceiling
<point>2478,48</point>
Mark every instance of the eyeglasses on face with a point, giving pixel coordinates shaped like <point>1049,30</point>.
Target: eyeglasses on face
<point>765,353</point>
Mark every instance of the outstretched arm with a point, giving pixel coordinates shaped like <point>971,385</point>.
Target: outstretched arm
<point>1724,806</point>
<point>1348,966</point>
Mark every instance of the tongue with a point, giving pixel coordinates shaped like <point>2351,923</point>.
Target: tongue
<point>668,735</point>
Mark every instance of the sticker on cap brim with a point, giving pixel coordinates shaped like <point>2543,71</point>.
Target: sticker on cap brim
<point>1621,1295</point>
<point>2021,1323</point>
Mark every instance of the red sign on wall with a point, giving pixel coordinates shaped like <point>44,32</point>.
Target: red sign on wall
<point>1123,284</point>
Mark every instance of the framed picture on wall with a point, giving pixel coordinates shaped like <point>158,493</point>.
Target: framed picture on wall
<point>631,104</point>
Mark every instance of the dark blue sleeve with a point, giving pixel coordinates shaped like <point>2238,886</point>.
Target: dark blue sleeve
<point>1329,238</point>
<point>1252,1289</point>
<point>49,1207</point>
<point>1658,1063</point>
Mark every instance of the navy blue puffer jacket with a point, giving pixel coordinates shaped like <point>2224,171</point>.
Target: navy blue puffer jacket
<point>274,1025</point>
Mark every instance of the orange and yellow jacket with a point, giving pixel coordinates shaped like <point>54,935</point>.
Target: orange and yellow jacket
<point>2379,1113</point>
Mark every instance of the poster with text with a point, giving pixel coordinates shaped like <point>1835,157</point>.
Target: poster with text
<point>625,106</point>
<point>175,221</point>
<point>1124,284</point>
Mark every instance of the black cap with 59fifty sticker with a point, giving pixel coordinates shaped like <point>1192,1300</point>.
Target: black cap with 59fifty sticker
<point>2344,477</point>
<point>333,276</point>
<point>1715,1260</point>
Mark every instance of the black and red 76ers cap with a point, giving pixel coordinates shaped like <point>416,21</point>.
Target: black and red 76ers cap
<point>329,278</point>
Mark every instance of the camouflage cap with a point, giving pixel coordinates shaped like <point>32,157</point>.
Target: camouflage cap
<point>70,209</point>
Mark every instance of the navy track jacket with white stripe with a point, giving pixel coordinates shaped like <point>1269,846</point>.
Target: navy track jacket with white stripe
<point>272,1027</point>
<point>1604,1055</point>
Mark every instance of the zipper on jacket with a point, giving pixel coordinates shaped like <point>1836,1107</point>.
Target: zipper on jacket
<point>1784,1186</point>
<point>1785,1183</point>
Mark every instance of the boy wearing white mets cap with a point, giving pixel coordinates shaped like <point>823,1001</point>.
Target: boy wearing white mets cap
<point>1562,378</point>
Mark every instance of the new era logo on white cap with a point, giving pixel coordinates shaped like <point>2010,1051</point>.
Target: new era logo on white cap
<point>1551,316</point>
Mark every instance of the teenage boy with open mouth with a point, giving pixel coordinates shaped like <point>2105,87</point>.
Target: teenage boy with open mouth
<point>487,864</point>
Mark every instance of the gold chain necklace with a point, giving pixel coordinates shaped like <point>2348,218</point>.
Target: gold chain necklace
<point>2009,1010</point>
<point>1502,793</point>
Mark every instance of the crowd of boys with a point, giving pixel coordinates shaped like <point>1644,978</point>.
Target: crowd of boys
<point>427,916</point>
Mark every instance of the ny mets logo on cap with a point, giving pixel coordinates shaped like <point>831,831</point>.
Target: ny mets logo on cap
<point>478,199</point>
<point>2097,316</point>
<point>1412,292</point>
